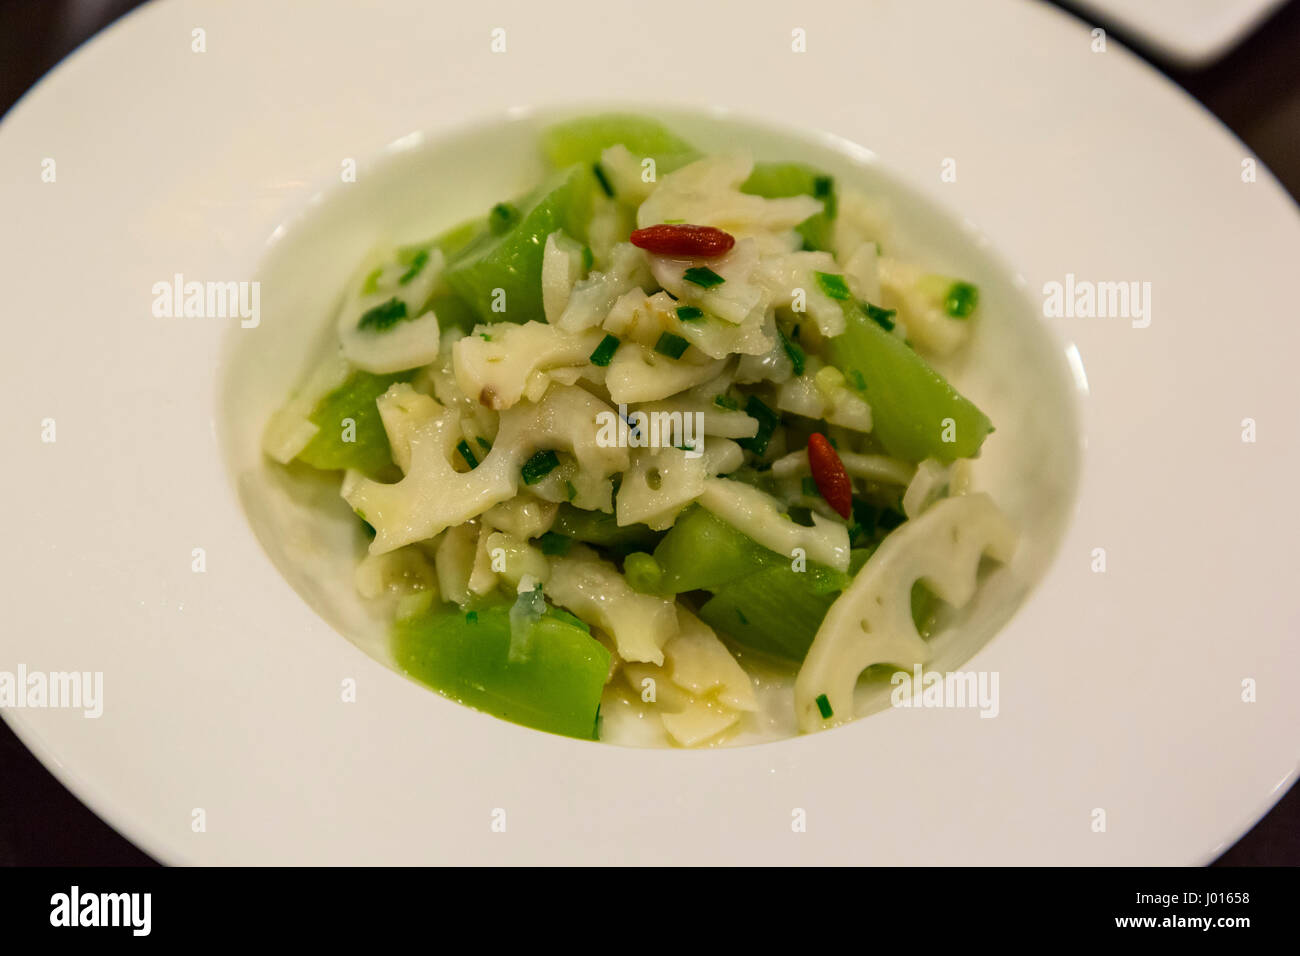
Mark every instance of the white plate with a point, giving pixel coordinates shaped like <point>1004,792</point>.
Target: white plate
<point>1190,32</point>
<point>1120,691</point>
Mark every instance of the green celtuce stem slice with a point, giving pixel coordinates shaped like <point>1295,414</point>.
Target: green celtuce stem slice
<point>453,312</point>
<point>553,683</point>
<point>778,611</point>
<point>583,140</point>
<point>702,552</point>
<point>782,180</point>
<point>499,275</point>
<point>600,528</point>
<point>368,451</point>
<point>915,412</point>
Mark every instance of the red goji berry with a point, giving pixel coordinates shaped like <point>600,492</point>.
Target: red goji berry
<point>683,240</point>
<point>828,471</point>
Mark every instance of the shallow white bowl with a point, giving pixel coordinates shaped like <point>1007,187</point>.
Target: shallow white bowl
<point>1121,691</point>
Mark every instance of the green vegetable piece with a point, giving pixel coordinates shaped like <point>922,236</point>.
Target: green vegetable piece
<point>604,353</point>
<point>797,357</point>
<point>600,528</point>
<point>781,180</point>
<point>555,687</point>
<point>703,276</point>
<point>824,707</point>
<point>727,402</point>
<point>383,316</point>
<point>783,608</point>
<point>462,446</point>
<point>778,611</point>
<point>643,572</point>
<point>833,285</point>
<point>961,300</point>
<point>599,173</point>
<point>502,217</point>
<point>689,313</point>
<point>511,261</point>
<point>371,285</point>
<point>882,317</point>
<point>925,608</point>
<point>539,466</point>
<point>418,260</point>
<point>674,346</point>
<point>553,544</point>
<point>767,422</point>
<point>453,312</point>
<point>701,552</point>
<point>913,407</point>
<point>459,237</point>
<point>583,140</point>
<point>354,399</point>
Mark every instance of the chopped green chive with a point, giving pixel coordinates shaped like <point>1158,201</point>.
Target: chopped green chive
<point>882,317</point>
<point>673,222</point>
<point>588,260</point>
<point>471,617</point>
<point>703,276</point>
<point>796,354</point>
<point>727,402</point>
<point>553,543</point>
<point>570,490</point>
<point>600,178</point>
<point>485,337</point>
<point>689,313</point>
<point>371,285</point>
<point>961,300</point>
<point>833,285</point>
<point>671,345</point>
<point>539,466</point>
<point>604,353</point>
<point>502,217</point>
<point>483,443</point>
<point>810,487</point>
<point>418,262</point>
<point>384,316</point>
<point>767,422</point>
<point>824,707</point>
<point>858,381</point>
<point>824,189</point>
<point>463,447</point>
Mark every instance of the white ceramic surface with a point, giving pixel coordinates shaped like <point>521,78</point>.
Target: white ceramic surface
<point>1120,691</point>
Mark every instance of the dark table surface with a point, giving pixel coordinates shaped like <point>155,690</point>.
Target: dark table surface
<point>1255,91</point>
